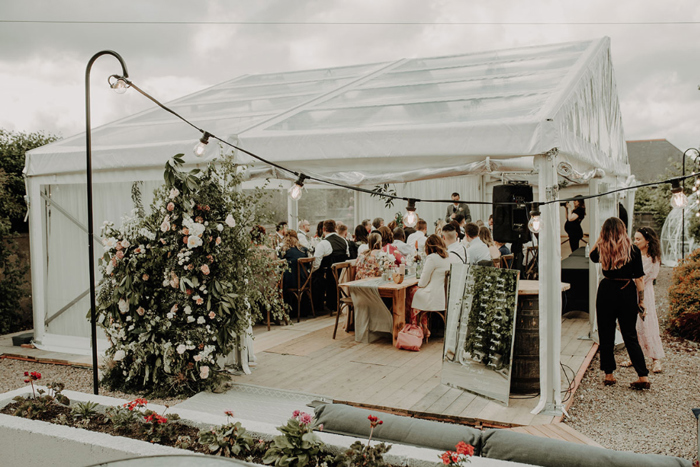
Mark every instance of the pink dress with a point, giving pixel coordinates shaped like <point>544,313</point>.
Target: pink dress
<point>648,330</point>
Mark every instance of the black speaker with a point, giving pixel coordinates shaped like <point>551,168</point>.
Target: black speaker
<point>509,221</point>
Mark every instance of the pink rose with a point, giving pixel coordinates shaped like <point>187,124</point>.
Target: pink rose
<point>185,231</point>
<point>171,206</point>
<point>119,246</point>
<point>144,277</point>
<point>140,311</point>
<point>205,269</point>
<point>174,309</point>
<point>120,254</point>
<point>218,240</point>
<point>199,301</point>
<point>197,358</point>
<point>212,315</point>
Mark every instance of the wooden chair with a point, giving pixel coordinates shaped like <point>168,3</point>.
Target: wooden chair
<point>497,262</point>
<point>531,255</point>
<point>507,261</point>
<point>341,274</point>
<point>304,273</point>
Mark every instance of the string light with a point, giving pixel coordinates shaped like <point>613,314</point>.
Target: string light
<point>201,147</point>
<point>296,189</point>
<point>678,199</point>
<point>535,224</point>
<point>410,219</point>
<point>119,85</point>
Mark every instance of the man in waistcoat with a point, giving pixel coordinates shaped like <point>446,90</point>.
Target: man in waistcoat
<point>332,249</point>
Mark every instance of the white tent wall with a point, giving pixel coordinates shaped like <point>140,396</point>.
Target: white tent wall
<point>468,187</point>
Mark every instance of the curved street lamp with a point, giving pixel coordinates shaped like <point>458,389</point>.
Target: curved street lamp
<point>119,84</point>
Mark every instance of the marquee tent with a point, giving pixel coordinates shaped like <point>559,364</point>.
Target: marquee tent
<point>537,113</point>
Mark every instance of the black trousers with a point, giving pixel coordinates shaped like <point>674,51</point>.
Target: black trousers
<point>574,242</point>
<point>617,302</point>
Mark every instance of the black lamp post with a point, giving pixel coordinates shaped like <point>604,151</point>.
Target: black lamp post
<point>120,85</point>
<point>695,153</point>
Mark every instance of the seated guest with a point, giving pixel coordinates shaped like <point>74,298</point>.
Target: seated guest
<point>417,239</point>
<point>408,231</point>
<point>457,251</point>
<point>480,223</point>
<point>502,248</point>
<point>405,249</point>
<point>332,249</point>
<point>485,236</point>
<point>361,238</point>
<point>439,224</point>
<point>461,222</point>
<point>257,237</point>
<point>367,224</point>
<point>367,265</point>
<point>280,232</point>
<point>343,232</point>
<point>292,251</point>
<point>392,225</point>
<point>319,231</point>
<point>490,224</point>
<point>458,230</point>
<point>430,295</point>
<point>477,251</point>
<point>303,233</point>
<point>387,243</point>
<point>376,223</point>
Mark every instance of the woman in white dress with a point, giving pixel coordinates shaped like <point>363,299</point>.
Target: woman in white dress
<point>430,295</point>
<point>648,329</point>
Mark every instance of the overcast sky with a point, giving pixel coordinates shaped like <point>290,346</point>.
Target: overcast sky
<point>655,47</point>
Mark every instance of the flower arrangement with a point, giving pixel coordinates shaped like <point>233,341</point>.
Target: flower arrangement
<point>176,294</point>
<point>297,444</point>
<point>460,457</point>
<point>386,261</point>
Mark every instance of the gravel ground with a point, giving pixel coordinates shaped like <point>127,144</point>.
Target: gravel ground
<point>75,379</point>
<point>657,421</point>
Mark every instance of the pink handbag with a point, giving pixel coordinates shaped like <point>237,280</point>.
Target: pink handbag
<point>410,338</point>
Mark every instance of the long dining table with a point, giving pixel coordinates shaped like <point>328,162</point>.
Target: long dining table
<point>397,293</point>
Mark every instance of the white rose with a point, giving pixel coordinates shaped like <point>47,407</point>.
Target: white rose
<point>193,242</point>
<point>181,349</point>
<point>204,372</point>
<point>188,310</point>
<point>125,243</point>
<point>201,320</point>
<point>190,319</point>
<point>119,355</point>
<point>173,193</point>
<point>123,306</point>
<point>219,227</point>
<point>230,221</point>
<point>109,268</point>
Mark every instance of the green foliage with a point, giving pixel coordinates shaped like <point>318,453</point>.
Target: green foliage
<point>226,440</point>
<point>360,455</point>
<point>684,298</point>
<point>657,199</point>
<point>385,192</point>
<point>84,410</point>
<point>34,406</point>
<point>297,445</point>
<point>121,417</point>
<point>180,285</point>
<point>13,147</point>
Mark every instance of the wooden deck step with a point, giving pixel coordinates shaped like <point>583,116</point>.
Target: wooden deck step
<point>558,431</point>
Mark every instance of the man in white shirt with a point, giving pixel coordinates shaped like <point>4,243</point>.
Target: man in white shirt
<point>405,249</point>
<point>456,251</point>
<point>332,249</point>
<point>418,238</point>
<point>477,251</point>
<point>280,232</point>
<point>303,234</point>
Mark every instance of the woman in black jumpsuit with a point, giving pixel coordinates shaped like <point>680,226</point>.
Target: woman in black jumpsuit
<point>573,222</point>
<point>620,298</point>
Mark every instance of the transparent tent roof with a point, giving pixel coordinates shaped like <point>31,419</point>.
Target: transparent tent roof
<point>435,112</point>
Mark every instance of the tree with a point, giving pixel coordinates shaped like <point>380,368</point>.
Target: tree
<point>13,147</point>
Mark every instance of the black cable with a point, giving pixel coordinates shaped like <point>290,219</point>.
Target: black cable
<point>366,23</point>
<point>389,195</point>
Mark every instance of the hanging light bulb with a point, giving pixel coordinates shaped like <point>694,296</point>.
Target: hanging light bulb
<point>678,199</point>
<point>119,85</point>
<point>410,218</point>
<point>535,224</point>
<point>296,190</point>
<point>201,147</point>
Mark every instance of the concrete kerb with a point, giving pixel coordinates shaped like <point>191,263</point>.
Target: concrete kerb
<point>62,445</point>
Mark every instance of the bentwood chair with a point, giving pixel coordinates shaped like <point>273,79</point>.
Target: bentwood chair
<point>341,273</point>
<point>304,273</point>
<point>531,263</point>
<point>507,261</point>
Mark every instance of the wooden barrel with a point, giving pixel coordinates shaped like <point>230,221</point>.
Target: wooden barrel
<point>525,371</point>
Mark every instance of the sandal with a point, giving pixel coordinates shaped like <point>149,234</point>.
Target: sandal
<point>609,382</point>
<point>626,364</point>
<point>640,385</point>
<point>656,368</point>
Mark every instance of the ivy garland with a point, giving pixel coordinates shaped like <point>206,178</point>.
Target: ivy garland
<point>181,285</point>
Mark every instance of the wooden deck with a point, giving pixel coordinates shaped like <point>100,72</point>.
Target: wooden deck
<point>305,358</point>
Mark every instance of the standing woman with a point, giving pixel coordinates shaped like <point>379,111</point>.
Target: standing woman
<point>648,329</point>
<point>573,222</point>
<point>620,298</point>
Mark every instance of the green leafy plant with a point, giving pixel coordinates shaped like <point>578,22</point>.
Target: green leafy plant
<point>385,192</point>
<point>226,440</point>
<point>684,298</point>
<point>297,444</point>
<point>361,455</point>
<point>40,401</point>
<point>84,410</point>
<point>177,292</point>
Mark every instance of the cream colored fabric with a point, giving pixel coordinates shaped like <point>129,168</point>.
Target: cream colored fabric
<point>430,295</point>
<point>371,314</point>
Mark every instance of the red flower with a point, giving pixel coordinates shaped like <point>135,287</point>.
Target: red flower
<point>372,418</point>
<point>35,375</point>
<point>26,373</point>
<point>229,413</point>
<point>464,448</point>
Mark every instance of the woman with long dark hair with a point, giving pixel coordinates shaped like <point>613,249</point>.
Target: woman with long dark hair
<point>573,222</point>
<point>648,329</point>
<point>620,299</point>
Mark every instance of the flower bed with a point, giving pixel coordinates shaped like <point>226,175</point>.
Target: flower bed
<point>189,431</point>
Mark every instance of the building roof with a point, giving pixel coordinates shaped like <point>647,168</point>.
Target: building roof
<point>649,159</point>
